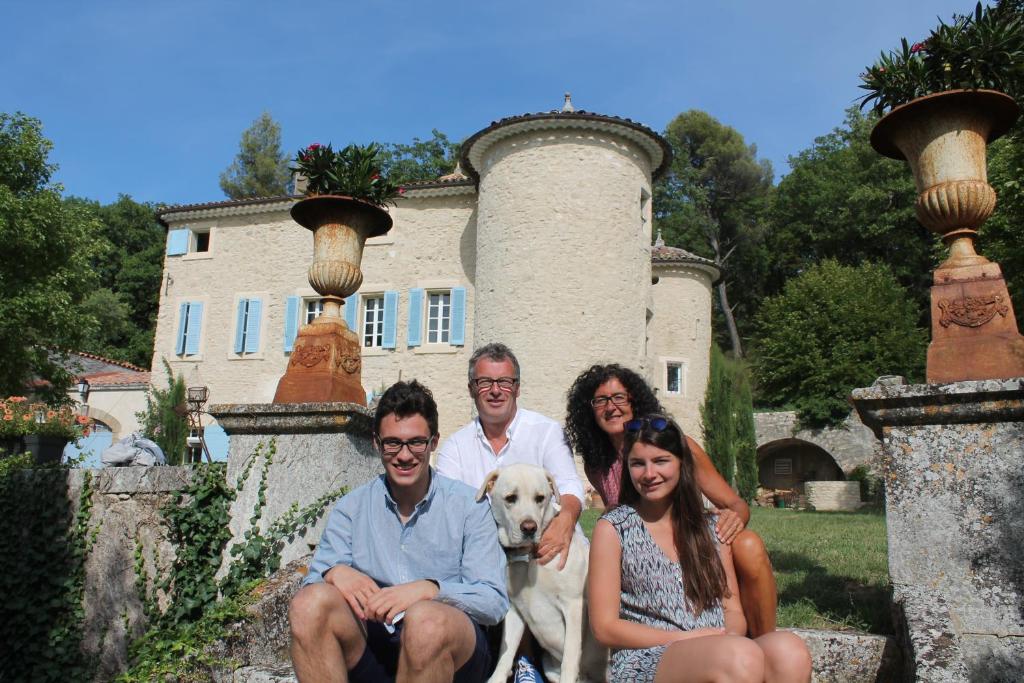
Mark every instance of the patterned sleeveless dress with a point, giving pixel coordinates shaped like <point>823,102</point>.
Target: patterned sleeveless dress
<point>652,594</point>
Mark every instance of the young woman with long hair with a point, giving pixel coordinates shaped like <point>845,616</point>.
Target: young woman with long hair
<point>601,401</point>
<point>662,590</point>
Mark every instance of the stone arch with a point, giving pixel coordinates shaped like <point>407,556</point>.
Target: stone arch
<point>106,418</point>
<point>789,462</point>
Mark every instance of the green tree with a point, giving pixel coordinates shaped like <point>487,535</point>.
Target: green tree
<point>421,160</point>
<point>727,416</point>
<point>47,273</point>
<point>260,169</point>
<point>844,201</point>
<point>1002,236</point>
<point>711,201</point>
<point>164,419</point>
<point>832,329</point>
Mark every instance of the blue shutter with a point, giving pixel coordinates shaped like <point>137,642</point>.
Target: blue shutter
<point>179,345</point>
<point>415,317</point>
<point>195,323</point>
<point>351,310</point>
<point>240,325</point>
<point>177,242</point>
<point>252,326</point>
<point>390,319</point>
<point>291,322</point>
<point>458,323</point>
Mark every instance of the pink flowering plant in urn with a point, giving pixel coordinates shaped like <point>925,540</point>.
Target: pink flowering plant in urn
<point>980,50</point>
<point>354,171</point>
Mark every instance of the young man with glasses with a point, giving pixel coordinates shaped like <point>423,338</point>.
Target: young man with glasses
<point>407,570</point>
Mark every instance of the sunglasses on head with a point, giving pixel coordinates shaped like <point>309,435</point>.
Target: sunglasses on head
<point>658,424</point>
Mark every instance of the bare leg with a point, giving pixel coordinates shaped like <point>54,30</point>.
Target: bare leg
<point>717,659</point>
<point>757,583</point>
<point>327,639</point>
<point>437,640</point>
<point>786,658</point>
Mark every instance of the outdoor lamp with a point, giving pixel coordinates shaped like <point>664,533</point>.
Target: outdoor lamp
<point>83,389</point>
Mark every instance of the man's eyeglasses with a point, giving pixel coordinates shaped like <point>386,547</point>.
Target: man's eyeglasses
<point>615,399</point>
<point>416,446</point>
<point>658,424</point>
<point>485,383</point>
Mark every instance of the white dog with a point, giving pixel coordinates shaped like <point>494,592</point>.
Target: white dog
<point>550,602</point>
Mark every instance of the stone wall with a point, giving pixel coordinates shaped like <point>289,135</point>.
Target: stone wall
<point>831,496</point>
<point>126,510</point>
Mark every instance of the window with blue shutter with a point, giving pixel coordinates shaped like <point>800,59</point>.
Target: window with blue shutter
<point>390,319</point>
<point>351,311</point>
<point>458,323</point>
<point>190,321</point>
<point>177,241</point>
<point>415,317</point>
<point>247,326</point>
<point>291,322</point>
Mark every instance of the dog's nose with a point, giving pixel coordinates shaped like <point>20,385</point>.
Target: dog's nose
<point>528,527</point>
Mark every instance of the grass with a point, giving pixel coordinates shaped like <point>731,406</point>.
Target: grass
<point>831,567</point>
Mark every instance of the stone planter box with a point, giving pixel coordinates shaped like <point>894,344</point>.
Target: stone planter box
<point>44,448</point>
<point>833,496</point>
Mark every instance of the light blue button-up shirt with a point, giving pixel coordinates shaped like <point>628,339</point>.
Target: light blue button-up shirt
<point>450,538</point>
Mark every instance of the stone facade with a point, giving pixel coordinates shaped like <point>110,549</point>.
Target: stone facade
<point>547,239</point>
<point>831,496</point>
<point>954,503</point>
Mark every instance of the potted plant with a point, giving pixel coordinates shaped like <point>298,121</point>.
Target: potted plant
<point>38,428</point>
<point>943,99</point>
<point>346,194</point>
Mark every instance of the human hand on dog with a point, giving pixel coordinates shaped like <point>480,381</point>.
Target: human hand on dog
<point>388,602</point>
<point>556,540</point>
<point>356,587</point>
<point>729,525</point>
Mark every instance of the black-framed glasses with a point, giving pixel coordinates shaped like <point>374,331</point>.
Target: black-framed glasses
<point>390,446</point>
<point>618,399</point>
<point>485,383</point>
<point>656,423</point>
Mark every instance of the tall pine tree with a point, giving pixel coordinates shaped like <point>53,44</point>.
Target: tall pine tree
<point>260,169</point>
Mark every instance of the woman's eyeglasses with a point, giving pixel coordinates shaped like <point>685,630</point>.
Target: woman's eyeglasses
<point>615,399</point>
<point>658,424</point>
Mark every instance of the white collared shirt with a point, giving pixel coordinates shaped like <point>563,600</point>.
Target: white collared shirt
<point>532,439</point>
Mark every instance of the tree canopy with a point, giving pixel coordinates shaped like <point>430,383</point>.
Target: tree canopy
<point>712,201</point>
<point>260,168</point>
<point>832,329</point>
<point>421,160</point>
<point>52,246</point>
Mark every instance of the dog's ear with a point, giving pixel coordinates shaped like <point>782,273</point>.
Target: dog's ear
<point>488,484</point>
<point>556,498</point>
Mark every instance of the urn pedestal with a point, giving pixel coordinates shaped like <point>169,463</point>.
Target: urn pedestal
<point>326,363</point>
<point>943,138</point>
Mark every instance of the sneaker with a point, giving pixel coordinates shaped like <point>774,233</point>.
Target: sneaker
<point>525,672</point>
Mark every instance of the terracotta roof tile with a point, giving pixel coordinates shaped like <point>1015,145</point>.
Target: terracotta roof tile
<point>111,379</point>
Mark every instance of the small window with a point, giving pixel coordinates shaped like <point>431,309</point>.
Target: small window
<point>373,322</point>
<point>674,378</point>
<point>201,241</point>
<point>314,307</point>
<point>783,467</point>
<point>439,317</point>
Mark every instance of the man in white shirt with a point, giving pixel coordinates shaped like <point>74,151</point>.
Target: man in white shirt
<point>504,434</point>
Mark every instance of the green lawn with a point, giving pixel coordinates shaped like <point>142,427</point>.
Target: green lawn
<point>831,567</point>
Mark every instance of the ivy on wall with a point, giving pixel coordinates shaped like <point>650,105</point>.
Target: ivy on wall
<point>44,542</point>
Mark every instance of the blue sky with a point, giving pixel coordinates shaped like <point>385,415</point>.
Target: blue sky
<point>150,98</point>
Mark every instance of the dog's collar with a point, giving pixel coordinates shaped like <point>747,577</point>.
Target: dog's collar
<point>518,554</point>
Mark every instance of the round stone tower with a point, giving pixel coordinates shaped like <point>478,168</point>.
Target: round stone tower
<point>563,256</point>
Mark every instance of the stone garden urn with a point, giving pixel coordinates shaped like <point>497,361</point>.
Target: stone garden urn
<point>325,363</point>
<point>943,137</point>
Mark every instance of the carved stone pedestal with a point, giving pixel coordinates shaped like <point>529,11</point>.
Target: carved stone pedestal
<point>954,484</point>
<point>325,366</point>
<point>974,330</point>
<point>319,448</point>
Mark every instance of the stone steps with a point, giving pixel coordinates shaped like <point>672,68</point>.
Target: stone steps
<point>839,657</point>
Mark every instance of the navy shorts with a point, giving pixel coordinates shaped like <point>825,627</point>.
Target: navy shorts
<point>379,662</point>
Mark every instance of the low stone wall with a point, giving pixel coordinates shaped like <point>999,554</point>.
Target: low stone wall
<point>833,496</point>
<point>126,504</point>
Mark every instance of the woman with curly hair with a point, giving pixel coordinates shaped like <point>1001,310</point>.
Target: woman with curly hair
<point>600,403</point>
